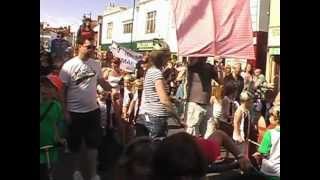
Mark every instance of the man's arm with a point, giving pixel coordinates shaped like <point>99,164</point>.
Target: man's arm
<point>104,84</point>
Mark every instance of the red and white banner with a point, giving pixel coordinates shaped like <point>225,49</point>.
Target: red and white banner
<point>214,28</point>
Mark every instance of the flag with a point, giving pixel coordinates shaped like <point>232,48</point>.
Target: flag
<point>214,28</point>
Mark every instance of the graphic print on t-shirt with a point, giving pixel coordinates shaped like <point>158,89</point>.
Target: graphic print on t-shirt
<point>85,72</point>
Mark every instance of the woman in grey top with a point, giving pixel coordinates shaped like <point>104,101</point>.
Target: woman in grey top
<point>156,103</point>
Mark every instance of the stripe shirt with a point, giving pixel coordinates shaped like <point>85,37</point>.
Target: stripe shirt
<point>150,99</point>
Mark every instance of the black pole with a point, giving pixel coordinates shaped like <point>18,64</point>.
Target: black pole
<point>134,7</point>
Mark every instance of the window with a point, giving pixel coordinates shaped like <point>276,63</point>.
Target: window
<point>127,28</point>
<point>151,22</point>
<point>109,30</point>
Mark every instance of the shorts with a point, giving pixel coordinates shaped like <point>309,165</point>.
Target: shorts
<point>85,126</point>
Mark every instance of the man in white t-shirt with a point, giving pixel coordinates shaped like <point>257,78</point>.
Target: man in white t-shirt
<point>80,76</point>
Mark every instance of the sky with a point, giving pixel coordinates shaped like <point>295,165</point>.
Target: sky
<point>70,12</point>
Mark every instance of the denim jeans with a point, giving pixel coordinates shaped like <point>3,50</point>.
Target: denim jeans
<point>153,126</point>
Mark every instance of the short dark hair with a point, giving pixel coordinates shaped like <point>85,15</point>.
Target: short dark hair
<point>179,155</point>
<point>81,41</point>
<point>136,160</point>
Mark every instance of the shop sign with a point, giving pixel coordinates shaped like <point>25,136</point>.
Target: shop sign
<point>144,46</point>
<point>274,36</point>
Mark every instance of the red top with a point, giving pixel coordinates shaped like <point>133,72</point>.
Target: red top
<point>210,149</point>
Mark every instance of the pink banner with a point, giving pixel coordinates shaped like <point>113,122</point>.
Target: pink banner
<point>214,28</point>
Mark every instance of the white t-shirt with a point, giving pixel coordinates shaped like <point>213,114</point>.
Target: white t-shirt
<point>81,79</point>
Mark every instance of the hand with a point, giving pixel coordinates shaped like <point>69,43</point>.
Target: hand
<point>245,164</point>
<point>238,139</point>
<point>258,157</point>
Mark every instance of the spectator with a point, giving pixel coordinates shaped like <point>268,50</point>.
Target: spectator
<point>156,103</point>
<point>244,125</point>
<point>59,47</point>
<point>199,93</point>
<point>50,115</point>
<point>227,70</point>
<point>114,107</point>
<point>236,80</point>
<point>270,148</point>
<point>216,100</point>
<point>170,74</point>
<point>46,63</point>
<point>80,76</point>
<point>247,76</point>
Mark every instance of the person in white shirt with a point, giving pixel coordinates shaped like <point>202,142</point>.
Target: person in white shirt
<point>80,76</point>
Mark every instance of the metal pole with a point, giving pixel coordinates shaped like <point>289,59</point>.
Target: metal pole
<point>134,7</point>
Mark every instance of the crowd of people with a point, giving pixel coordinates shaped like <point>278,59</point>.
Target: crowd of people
<point>218,106</point>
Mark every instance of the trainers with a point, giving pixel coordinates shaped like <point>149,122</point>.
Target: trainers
<point>77,175</point>
<point>96,177</point>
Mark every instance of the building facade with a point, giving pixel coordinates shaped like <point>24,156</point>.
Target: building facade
<point>273,57</point>
<point>153,19</point>
<point>136,28</point>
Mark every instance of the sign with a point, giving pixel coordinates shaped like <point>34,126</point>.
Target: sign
<point>274,36</point>
<point>145,46</point>
<point>274,51</point>
<point>127,57</point>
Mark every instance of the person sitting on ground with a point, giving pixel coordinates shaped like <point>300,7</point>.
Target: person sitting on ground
<point>135,163</point>
<point>270,148</point>
<point>183,156</point>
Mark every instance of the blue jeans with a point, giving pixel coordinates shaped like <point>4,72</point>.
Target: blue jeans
<point>155,126</point>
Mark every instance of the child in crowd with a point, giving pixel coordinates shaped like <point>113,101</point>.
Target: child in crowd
<point>216,101</point>
<point>50,115</point>
<point>270,148</point>
<point>127,96</point>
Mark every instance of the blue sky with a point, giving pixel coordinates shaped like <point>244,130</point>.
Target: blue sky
<point>69,12</point>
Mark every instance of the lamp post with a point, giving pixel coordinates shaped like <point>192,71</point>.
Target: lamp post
<point>133,10</point>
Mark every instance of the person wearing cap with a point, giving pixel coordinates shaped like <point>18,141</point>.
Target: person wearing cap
<point>156,103</point>
<point>80,76</point>
<point>50,115</point>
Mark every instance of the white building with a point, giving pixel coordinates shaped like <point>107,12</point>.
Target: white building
<point>152,20</point>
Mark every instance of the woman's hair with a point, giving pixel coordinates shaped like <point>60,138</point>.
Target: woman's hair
<point>246,96</point>
<point>115,60</point>
<point>177,156</point>
<point>136,160</point>
<point>275,110</point>
<point>251,71</point>
<point>159,54</point>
